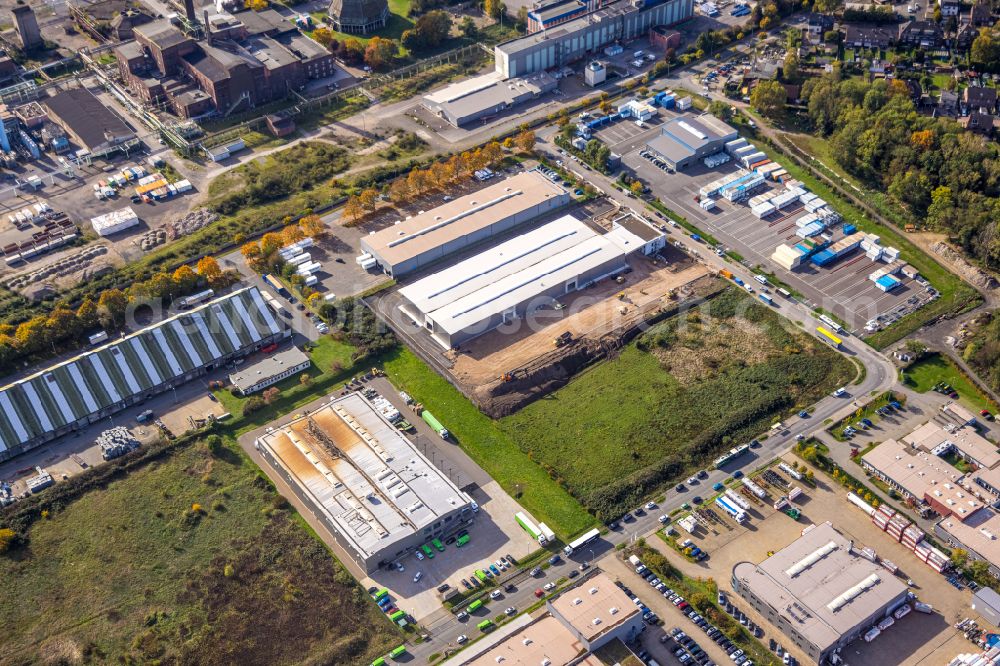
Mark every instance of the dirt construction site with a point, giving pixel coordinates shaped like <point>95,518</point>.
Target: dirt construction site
<point>518,362</point>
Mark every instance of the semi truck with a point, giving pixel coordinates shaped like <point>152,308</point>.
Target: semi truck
<point>528,526</point>
<point>435,424</point>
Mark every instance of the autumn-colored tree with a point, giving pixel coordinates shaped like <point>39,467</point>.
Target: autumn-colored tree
<point>185,278</point>
<point>113,304</point>
<point>7,537</point>
<point>636,187</point>
<point>292,233</point>
<point>379,52</point>
<point>493,8</point>
<point>209,269</point>
<point>161,286</point>
<point>271,394</point>
<point>898,87</point>
<point>256,5</point>
<point>253,256</point>
<point>312,225</point>
<point>923,140</point>
<point>270,243</point>
<point>305,379</point>
<point>32,335</point>
<point>525,141</point>
<point>368,199</point>
<point>86,314</point>
<point>492,153</point>
<point>323,35</point>
<point>62,324</point>
<point>508,143</point>
<point>353,210</point>
<point>399,190</point>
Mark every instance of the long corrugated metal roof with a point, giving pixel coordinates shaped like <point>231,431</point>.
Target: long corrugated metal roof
<point>81,386</point>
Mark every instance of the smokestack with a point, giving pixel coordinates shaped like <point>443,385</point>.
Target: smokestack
<point>208,28</point>
<point>189,11</point>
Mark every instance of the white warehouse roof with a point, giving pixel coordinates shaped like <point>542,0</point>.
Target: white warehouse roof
<point>513,272</point>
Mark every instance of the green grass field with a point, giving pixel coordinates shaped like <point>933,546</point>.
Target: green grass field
<point>490,445</point>
<point>934,368</point>
<point>687,388</point>
<point>130,573</point>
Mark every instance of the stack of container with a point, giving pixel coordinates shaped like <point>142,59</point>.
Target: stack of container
<point>786,198</point>
<point>931,556</point>
<point>794,492</point>
<point>752,158</point>
<point>735,144</point>
<point>882,516</point>
<point>713,188</point>
<point>897,525</point>
<point>912,535</point>
<point>742,189</point>
<point>767,169</point>
<point>814,204</point>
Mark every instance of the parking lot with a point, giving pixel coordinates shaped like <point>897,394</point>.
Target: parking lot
<point>842,288</point>
<point>917,638</point>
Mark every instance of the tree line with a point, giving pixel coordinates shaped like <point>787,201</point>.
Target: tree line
<point>429,31</point>
<point>944,177</point>
<point>64,328</point>
<point>437,176</point>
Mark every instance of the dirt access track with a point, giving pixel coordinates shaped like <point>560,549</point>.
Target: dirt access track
<point>506,368</point>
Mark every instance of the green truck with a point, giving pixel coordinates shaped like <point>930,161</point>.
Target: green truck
<point>435,424</point>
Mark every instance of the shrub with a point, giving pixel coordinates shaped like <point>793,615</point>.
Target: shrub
<point>254,404</point>
<point>8,537</point>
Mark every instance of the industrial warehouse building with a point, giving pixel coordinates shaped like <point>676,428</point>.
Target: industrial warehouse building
<point>583,618</point>
<point>368,484</point>
<point>269,370</point>
<point>572,40</point>
<point>819,591</point>
<point>684,141</point>
<point>515,278</point>
<point>453,226</point>
<point>483,96</point>
<point>98,383</point>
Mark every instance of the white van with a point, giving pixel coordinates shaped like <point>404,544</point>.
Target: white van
<point>761,279</point>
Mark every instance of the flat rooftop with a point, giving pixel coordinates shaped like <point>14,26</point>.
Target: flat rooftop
<point>488,91</point>
<point>923,475</point>
<point>683,136</point>
<point>464,216</point>
<point>980,532</point>
<point>370,481</point>
<point>544,639</point>
<point>932,436</point>
<point>820,586</point>
<point>514,271</point>
<point>594,607</point>
<point>251,374</point>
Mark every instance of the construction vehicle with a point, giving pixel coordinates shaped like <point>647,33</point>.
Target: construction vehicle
<point>563,339</point>
<point>793,513</point>
<point>910,228</point>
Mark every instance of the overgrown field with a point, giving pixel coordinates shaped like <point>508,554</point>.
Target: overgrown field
<point>689,387</point>
<point>192,558</point>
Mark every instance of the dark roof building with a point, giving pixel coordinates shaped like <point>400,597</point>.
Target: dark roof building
<point>927,34</point>
<point>975,98</point>
<point>91,125</point>
<point>980,15</point>
<point>948,102</point>
<point>861,35</point>
<point>251,58</point>
<point>359,17</point>
<point>980,123</point>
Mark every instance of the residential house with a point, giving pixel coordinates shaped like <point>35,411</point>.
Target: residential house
<point>980,15</point>
<point>948,103</point>
<point>975,98</point>
<point>863,35</point>
<point>950,7</point>
<point>965,35</point>
<point>817,24</point>
<point>913,86</point>
<point>980,123</point>
<point>926,34</point>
